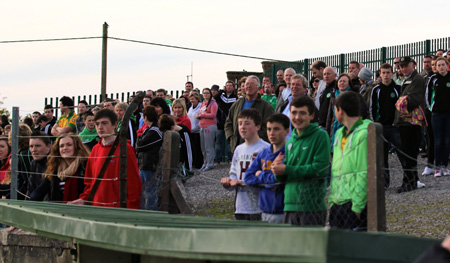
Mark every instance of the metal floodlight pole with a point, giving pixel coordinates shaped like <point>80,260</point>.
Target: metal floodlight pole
<point>104,60</point>
<point>14,152</point>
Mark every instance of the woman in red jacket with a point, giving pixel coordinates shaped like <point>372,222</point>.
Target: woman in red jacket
<point>180,113</point>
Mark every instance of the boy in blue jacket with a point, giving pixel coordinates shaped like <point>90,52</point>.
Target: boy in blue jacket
<point>259,173</point>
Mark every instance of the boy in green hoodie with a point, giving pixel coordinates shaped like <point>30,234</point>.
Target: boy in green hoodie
<point>348,187</point>
<point>305,167</point>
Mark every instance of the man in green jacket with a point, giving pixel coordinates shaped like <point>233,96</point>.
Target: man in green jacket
<point>305,167</point>
<point>251,100</point>
<point>348,187</point>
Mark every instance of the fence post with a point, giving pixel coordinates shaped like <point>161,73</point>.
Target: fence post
<point>306,67</point>
<point>274,74</point>
<point>427,47</point>
<point>104,60</point>
<point>169,163</point>
<point>14,152</point>
<point>376,207</point>
<point>383,55</point>
<point>341,63</point>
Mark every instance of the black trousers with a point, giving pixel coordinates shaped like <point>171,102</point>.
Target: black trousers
<point>342,216</point>
<point>410,136</point>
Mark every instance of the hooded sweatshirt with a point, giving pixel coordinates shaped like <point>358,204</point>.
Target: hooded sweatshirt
<point>307,161</point>
<point>270,196</point>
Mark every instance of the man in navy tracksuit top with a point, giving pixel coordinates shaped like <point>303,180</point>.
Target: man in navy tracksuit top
<point>259,174</point>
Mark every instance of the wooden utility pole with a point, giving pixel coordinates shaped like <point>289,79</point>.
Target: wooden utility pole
<point>376,205</point>
<point>104,60</point>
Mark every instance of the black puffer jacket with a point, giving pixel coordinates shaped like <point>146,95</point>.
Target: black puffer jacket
<point>147,148</point>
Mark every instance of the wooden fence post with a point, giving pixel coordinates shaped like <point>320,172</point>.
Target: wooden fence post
<point>172,190</point>
<point>376,206</point>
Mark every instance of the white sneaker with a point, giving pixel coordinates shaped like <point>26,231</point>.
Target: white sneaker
<point>437,173</point>
<point>420,185</point>
<point>427,171</point>
<point>445,171</point>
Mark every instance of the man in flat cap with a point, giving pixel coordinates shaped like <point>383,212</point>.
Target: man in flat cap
<point>414,88</point>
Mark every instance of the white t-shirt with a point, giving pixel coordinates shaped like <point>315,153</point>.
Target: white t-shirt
<point>247,197</point>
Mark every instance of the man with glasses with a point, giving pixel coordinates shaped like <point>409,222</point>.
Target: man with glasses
<point>398,76</point>
<point>251,100</point>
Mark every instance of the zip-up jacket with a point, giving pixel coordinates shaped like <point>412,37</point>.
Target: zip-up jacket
<point>349,168</point>
<point>438,93</point>
<point>382,103</point>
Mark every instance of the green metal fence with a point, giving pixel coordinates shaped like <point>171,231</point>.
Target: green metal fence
<point>372,58</point>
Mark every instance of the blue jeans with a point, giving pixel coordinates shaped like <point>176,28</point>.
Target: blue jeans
<point>150,190</point>
<point>441,130</point>
<point>220,140</point>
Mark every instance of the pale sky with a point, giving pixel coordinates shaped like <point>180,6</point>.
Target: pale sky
<point>285,30</point>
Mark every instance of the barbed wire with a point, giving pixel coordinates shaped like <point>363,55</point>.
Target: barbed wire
<point>73,157</point>
<point>71,176</point>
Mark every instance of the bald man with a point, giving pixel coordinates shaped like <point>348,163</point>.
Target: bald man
<point>329,77</point>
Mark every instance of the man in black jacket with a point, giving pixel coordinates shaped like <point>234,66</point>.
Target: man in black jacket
<point>225,98</point>
<point>39,147</point>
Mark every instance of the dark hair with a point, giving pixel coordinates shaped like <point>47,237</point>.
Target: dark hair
<point>428,56</point>
<point>354,62</point>
<point>162,90</point>
<point>106,113</point>
<point>161,103</point>
<point>5,120</point>
<point>319,64</point>
<point>41,136</point>
<point>83,102</point>
<point>277,88</point>
<point>48,107</point>
<point>279,118</point>
<point>42,118</point>
<point>36,112</point>
<point>386,66</point>
<point>66,101</point>
<point>190,82</point>
<point>303,101</point>
<point>87,114</point>
<point>349,103</point>
<point>28,121</point>
<point>166,122</point>
<point>251,114</point>
<point>210,97</point>
<point>150,112</point>
<point>229,81</point>
<point>146,96</point>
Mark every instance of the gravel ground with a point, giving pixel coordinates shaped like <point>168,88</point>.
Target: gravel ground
<point>424,212</point>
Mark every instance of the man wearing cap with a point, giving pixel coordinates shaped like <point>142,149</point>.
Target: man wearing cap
<point>410,134</point>
<point>365,76</point>
<point>214,90</point>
